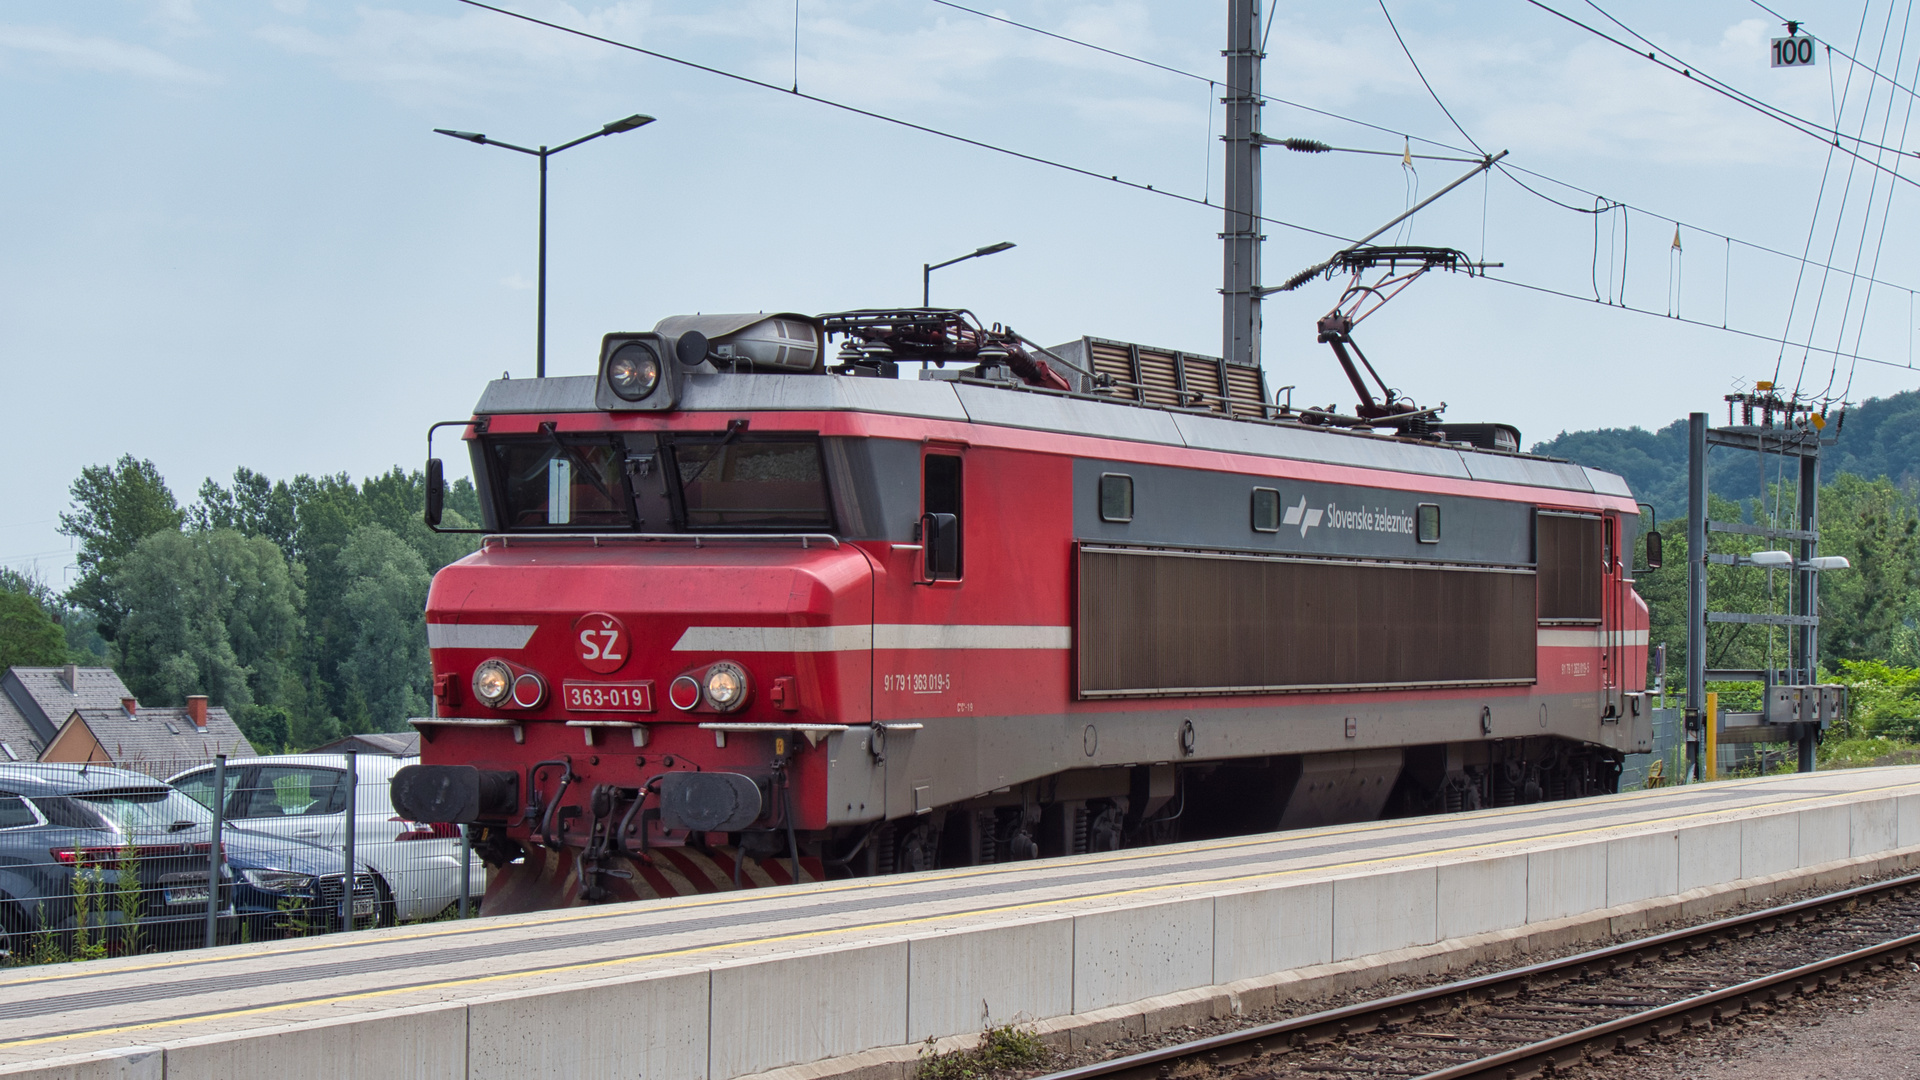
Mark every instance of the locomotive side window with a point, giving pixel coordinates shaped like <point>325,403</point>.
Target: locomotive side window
<point>1568,554</point>
<point>544,482</point>
<point>1427,523</point>
<point>1116,497</point>
<point>752,483</point>
<point>940,505</point>
<point>1266,510</point>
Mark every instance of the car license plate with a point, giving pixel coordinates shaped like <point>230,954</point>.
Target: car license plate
<point>607,697</point>
<point>185,890</point>
<point>362,906</point>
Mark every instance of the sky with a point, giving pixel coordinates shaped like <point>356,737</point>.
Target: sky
<point>231,237</point>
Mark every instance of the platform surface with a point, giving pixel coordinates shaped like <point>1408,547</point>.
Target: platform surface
<point>697,985</point>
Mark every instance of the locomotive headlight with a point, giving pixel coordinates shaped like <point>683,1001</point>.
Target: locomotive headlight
<point>633,371</point>
<point>726,686</point>
<point>492,682</point>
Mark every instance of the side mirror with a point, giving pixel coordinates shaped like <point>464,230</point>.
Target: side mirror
<point>436,492</point>
<point>1653,551</point>
<point>940,544</point>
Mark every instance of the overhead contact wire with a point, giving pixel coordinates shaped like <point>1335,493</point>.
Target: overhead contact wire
<point>1678,67</point>
<point>1846,197</point>
<point>1752,335</point>
<point>1423,79</point>
<point>1843,54</point>
<point>1507,168</point>
<point>883,117</point>
<point>1886,215</point>
<point>1873,191</point>
<point>1813,223</point>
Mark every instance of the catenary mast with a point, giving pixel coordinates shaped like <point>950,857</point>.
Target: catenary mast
<point>1240,296</point>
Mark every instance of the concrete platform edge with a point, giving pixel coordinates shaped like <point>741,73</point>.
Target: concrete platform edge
<point>1167,1011</point>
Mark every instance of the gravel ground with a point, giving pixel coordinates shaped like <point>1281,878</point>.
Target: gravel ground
<point>1868,1030</point>
<point>1666,1061</point>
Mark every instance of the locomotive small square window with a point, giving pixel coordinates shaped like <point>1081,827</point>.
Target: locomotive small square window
<point>1427,523</point>
<point>1116,497</point>
<point>1266,510</point>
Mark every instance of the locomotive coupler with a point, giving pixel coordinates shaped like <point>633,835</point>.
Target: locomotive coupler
<point>602,805</point>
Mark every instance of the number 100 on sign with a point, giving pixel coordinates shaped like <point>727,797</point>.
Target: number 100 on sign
<point>1793,52</point>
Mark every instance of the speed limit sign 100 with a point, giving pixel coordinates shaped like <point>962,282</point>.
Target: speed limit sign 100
<point>1793,52</point>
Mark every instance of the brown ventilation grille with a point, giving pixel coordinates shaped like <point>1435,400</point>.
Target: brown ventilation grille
<point>1567,551</point>
<point>1160,378</point>
<point>1203,383</point>
<point>1246,390</point>
<point>1158,622</point>
<point>1116,362</point>
<point>1171,379</point>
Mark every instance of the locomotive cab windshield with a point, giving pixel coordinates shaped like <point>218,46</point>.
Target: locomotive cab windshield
<point>736,481</point>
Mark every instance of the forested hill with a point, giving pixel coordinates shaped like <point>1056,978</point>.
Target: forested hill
<point>1880,437</point>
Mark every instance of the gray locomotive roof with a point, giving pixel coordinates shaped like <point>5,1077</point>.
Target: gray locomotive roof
<point>967,402</point>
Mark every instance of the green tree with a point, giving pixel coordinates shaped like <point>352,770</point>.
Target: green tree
<point>396,500</point>
<point>28,635</point>
<point>253,506</point>
<point>79,627</point>
<point>1868,612</point>
<point>384,670</point>
<point>268,727</point>
<point>115,507</point>
<point>212,612</point>
<point>330,512</point>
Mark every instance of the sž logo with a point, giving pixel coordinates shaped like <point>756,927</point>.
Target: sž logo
<point>600,641</point>
<point>1303,517</point>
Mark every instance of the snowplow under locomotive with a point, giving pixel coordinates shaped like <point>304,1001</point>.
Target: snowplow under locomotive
<point>745,613</point>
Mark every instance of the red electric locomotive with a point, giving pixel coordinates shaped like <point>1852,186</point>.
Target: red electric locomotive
<point>745,614</point>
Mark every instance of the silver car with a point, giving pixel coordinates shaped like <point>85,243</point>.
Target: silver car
<point>417,865</point>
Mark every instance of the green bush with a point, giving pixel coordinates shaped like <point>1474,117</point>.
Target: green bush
<point>1001,1048</point>
<point>1883,702</point>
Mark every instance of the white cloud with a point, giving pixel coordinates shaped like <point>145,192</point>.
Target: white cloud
<point>98,54</point>
<point>1549,95</point>
<point>461,52</point>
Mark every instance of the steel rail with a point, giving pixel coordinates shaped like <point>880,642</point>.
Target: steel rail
<point>1322,1028</point>
<point>1635,1029</point>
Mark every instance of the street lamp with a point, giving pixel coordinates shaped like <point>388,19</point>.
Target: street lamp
<point>927,269</point>
<point>543,153</point>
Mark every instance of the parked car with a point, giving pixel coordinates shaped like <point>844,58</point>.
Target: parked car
<point>283,887</point>
<point>67,835</point>
<point>416,865</point>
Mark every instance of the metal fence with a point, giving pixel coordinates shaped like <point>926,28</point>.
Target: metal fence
<point>100,860</point>
<point>1663,765</point>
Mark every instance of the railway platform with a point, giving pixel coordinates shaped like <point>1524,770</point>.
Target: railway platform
<point>729,985</point>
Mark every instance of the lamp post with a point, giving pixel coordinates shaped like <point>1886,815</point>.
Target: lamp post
<point>927,269</point>
<point>543,153</point>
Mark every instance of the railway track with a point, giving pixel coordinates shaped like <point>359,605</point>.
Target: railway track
<point>1535,1020</point>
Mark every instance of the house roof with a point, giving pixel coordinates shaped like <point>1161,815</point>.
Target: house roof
<point>162,740</point>
<point>17,739</point>
<point>401,744</point>
<point>43,699</point>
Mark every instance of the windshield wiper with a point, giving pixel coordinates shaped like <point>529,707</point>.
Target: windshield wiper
<point>579,461</point>
<point>179,825</point>
<point>734,428</point>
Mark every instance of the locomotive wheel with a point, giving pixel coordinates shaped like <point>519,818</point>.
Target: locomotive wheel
<point>918,848</point>
<point>1104,832</point>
